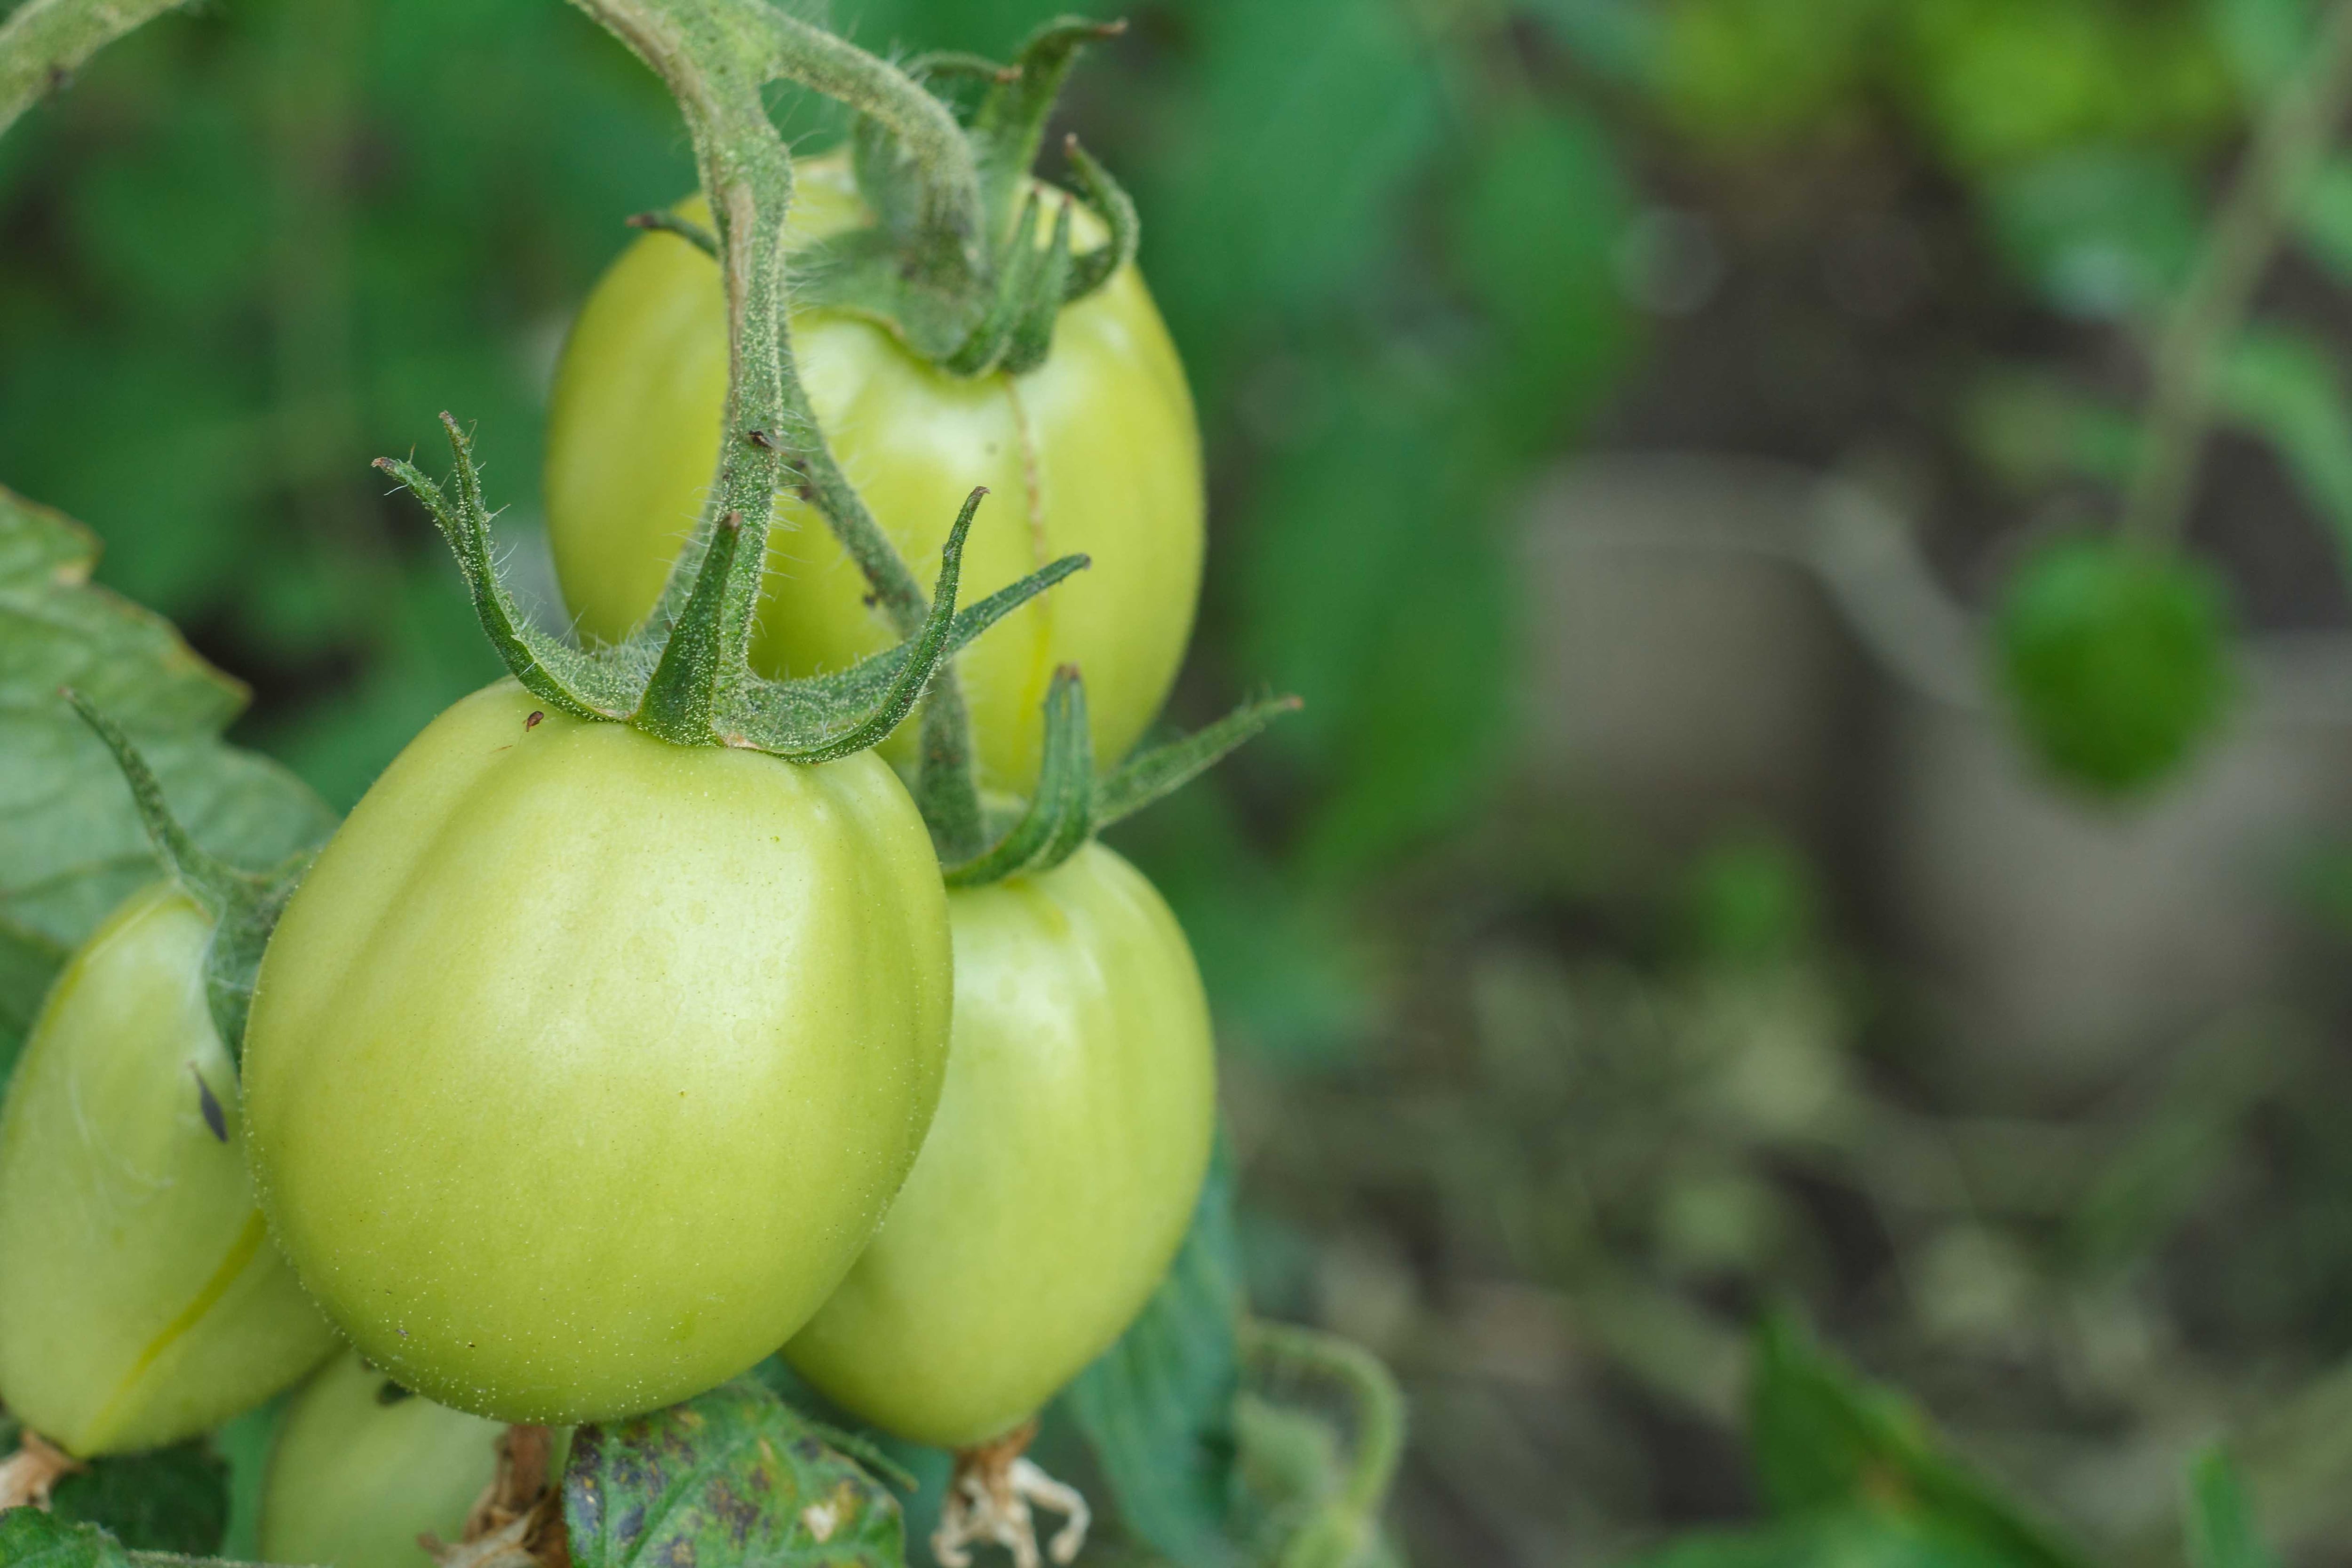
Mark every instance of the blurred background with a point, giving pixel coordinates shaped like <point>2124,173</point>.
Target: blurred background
<point>1621,416</point>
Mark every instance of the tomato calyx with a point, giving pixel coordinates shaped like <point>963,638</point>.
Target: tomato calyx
<point>685,676</point>
<point>33,1471</point>
<point>972,313</point>
<point>990,1500</point>
<point>244,906</point>
<point>518,1521</point>
<point>1071,803</point>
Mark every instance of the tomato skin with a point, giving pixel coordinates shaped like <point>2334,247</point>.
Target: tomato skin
<point>1061,1170</point>
<point>1094,450</point>
<point>141,1301</point>
<point>352,1480</point>
<point>582,1065</point>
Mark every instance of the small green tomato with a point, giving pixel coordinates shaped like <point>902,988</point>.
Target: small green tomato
<point>2115,660</point>
<point>1061,1170</point>
<point>361,1468</point>
<point>1094,450</point>
<point>141,1300</point>
<point>582,1065</point>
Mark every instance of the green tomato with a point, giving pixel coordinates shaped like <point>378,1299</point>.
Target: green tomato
<point>1061,1170</point>
<point>141,1301</point>
<point>2115,660</point>
<point>1094,450</point>
<point>582,1065</point>
<point>360,1469</point>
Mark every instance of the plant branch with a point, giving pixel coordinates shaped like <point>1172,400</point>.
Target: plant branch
<point>44,42</point>
<point>2287,147</point>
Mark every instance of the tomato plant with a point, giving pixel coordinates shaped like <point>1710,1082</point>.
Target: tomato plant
<point>543,961</point>
<point>585,1061</point>
<point>1094,450</point>
<point>1071,1138</point>
<point>142,1301</point>
<point>361,1468</point>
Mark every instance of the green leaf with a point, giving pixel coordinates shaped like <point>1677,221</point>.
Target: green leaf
<point>2116,661</point>
<point>1828,1442</point>
<point>2220,1521</point>
<point>735,1477</point>
<point>31,1538</point>
<point>2286,389</point>
<point>1534,232</point>
<point>172,1500</point>
<point>1158,1406</point>
<point>2100,233</point>
<point>2325,221</point>
<point>71,846</point>
<point>28,960</point>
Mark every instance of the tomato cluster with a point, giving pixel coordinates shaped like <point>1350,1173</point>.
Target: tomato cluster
<point>585,1069</point>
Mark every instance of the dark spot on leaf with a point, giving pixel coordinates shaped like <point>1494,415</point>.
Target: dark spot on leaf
<point>60,78</point>
<point>532,722</point>
<point>215,1118</point>
<point>872,599</point>
<point>760,438</point>
<point>392,1393</point>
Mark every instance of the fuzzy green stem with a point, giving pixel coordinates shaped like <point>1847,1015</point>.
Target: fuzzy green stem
<point>2288,145</point>
<point>715,57</point>
<point>44,42</point>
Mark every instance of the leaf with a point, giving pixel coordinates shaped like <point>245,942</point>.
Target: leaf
<point>735,1477</point>
<point>1827,1442</point>
<point>71,846</point>
<point>31,1538</point>
<point>2220,1521</point>
<point>1534,230</point>
<point>1158,1406</point>
<point>2286,389</point>
<point>2100,233</point>
<point>2325,221</point>
<point>172,1500</point>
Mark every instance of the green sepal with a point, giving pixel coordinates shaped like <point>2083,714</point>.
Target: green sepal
<point>686,229</point>
<point>691,686</point>
<point>1010,124</point>
<point>1163,770</point>
<point>244,905</point>
<point>1042,291</point>
<point>925,289</point>
<point>578,682</point>
<point>1060,816</point>
<point>1071,803</point>
<point>1091,270</point>
<point>1016,273</point>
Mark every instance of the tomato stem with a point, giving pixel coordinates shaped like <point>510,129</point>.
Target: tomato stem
<point>2288,145</point>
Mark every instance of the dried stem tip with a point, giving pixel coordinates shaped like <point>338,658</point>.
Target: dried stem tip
<point>989,1498</point>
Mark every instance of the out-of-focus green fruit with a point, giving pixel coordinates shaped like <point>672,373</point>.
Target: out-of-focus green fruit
<point>361,1468</point>
<point>2115,660</point>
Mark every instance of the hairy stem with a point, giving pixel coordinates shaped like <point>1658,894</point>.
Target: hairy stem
<point>2287,147</point>
<point>44,42</point>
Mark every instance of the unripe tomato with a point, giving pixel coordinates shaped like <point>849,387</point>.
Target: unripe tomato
<point>582,1065</point>
<point>1094,450</point>
<point>1060,1172</point>
<point>141,1301</point>
<point>360,1469</point>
